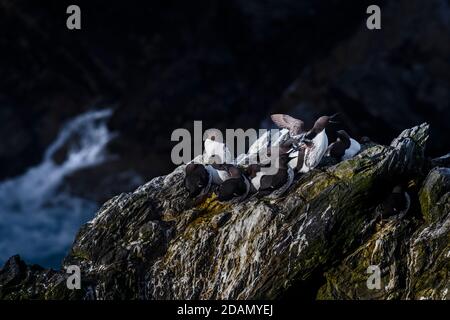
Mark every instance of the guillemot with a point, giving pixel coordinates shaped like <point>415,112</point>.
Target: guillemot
<point>264,182</point>
<point>344,147</point>
<point>235,188</point>
<point>221,172</point>
<point>397,202</point>
<point>292,147</point>
<point>197,179</point>
<point>319,139</point>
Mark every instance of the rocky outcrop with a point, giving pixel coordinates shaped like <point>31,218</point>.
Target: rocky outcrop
<point>413,254</point>
<point>435,193</point>
<point>19,281</point>
<point>155,243</point>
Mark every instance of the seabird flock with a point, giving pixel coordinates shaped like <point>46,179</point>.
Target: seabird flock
<point>294,150</point>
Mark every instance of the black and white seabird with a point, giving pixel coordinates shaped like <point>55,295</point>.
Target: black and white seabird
<point>220,172</point>
<point>197,179</point>
<point>319,139</point>
<point>295,149</point>
<point>274,184</point>
<point>397,203</point>
<point>344,147</point>
<point>235,188</point>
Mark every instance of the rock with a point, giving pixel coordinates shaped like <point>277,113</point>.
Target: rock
<point>414,258</point>
<point>385,250</point>
<point>443,161</point>
<point>21,282</point>
<point>435,194</point>
<point>413,261</point>
<point>154,243</point>
<point>428,261</point>
<point>220,220</point>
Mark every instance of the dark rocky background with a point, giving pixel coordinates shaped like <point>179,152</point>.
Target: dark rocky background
<point>162,65</point>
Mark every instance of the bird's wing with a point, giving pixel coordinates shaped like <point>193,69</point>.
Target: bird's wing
<point>295,126</point>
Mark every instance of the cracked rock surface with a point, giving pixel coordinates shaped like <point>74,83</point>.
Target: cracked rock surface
<point>155,243</point>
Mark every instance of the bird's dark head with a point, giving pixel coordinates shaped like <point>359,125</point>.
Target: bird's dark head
<point>343,135</point>
<point>397,189</point>
<point>252,170</point>
<point>235,172</point>
<point>196,179</point>
<point>323,122</point>
<point>231,188</point>
<point>365,140</point>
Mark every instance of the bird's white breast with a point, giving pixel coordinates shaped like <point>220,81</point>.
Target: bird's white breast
<point>217,149</point>
<point>314,154</point>
<point>256,181</point>
<point>352,150</point>
<point>223,175</point>
<point>293,163</point>
<point>216,179</point>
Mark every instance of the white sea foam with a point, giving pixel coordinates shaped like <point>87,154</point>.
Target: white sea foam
<point>37,219</point>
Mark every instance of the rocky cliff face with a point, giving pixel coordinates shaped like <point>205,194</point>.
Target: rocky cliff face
<point>316,242</point>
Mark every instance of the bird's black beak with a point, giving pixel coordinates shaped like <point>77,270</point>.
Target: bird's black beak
<point>330,118</point>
